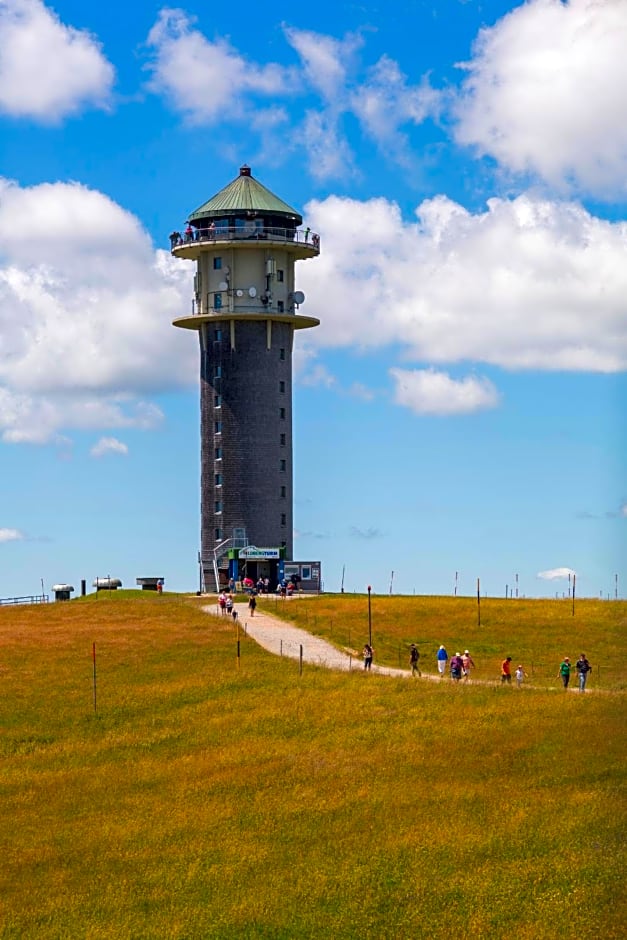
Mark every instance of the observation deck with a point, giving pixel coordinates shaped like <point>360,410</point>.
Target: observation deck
<point>301,243</point>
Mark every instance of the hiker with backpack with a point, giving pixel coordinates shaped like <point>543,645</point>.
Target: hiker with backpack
<point>414,657</point>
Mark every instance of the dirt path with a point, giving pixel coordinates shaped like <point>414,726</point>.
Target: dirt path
<point>284,639</point>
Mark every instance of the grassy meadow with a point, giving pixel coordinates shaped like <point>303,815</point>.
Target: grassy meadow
<point>535,633</point>
<point>200,799</point>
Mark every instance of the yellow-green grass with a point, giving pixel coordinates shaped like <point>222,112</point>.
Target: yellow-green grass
<point>205,800</point>
<point>535,633</point>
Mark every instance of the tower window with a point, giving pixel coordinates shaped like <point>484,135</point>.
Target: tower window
<point>217,264</point>
<point>280,275</point>
<point>218,427</point>
<point>281,386</point>
<point>217,300</point>
<point>280,306</point>
<point>218,505</point>
<point>282,440</point>
<point>218,453</point>
<point>218,479</point>
<point>283,492</point>
<point>283,465</point>
<point>217,335</point>
<point>217,401</point>
<point>218,535</point>
<point>217,374</point>
<point>282,354</point>
<point>282,414</point>
<point>283,518</point>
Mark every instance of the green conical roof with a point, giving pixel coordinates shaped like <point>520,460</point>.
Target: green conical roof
<point>244,194</point>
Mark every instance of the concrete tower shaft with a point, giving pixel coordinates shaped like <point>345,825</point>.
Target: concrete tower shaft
<point>245,242</point>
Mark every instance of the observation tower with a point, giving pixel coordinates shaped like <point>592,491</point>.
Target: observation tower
<point>245,242</point>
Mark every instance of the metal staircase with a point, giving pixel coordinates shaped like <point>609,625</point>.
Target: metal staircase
<point>213,563</point>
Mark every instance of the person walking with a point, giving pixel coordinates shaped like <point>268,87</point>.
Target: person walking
<point>520,675</point>
<point>564,671</point>
<point>252,603</point>
<point>456,667</point>
<point>414,660</point>
<point>467,664</point>
<point>368,653</point>
<point>506,670</point>
<point>229,604</point>
<point>583,667</point>
<point>441,659</point>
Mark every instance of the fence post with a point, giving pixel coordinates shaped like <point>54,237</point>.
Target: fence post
<point>93,653</point>
<point>301,659</point>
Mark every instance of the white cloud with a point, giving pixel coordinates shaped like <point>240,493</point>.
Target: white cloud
<point>526,284</point>
<point>385,102</point>
<point>85,317</point>
<point>328,152</point>
<point>48,70</point>
<point>623,510</point>
<point>555,574</point>
<point>428,392</point>
<point>208,80</point>
<point>11,535</point>
<point>318,375</point>
<point>361,391</point>
<point>38,418</point>
<point>326,61</point>
<point>211,81</point>
<point>546,93</point>
<point>108,445</point>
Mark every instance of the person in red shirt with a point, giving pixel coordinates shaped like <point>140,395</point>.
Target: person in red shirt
<point>506,670</point>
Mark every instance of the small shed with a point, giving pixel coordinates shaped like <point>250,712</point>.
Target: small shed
<point>62,592</point>
<point>150,584</point>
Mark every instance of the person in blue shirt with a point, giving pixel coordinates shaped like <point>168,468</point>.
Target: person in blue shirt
<point>442,659</point>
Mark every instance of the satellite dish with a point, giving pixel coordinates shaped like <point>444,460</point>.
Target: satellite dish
<point>298,297</point>
<point>223,285</point>
<point>252,291</point>
<point>239,293</point>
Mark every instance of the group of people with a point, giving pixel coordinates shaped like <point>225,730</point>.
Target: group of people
<point>227,605</point>
<point>223,231</point>
<point>285,587</point>
<point>582,668</point>
<point>460,666</point>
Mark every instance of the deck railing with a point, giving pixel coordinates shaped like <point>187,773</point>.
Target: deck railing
<point>249,232</point>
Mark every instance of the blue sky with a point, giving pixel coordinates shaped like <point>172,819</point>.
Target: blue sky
<point>461,407</point>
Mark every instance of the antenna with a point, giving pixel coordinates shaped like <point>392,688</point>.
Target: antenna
<point>298,297</point>
<point>223,285</point>
<point>252,291</point>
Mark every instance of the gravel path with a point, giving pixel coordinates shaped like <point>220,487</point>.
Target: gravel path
<point>283,639</point>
